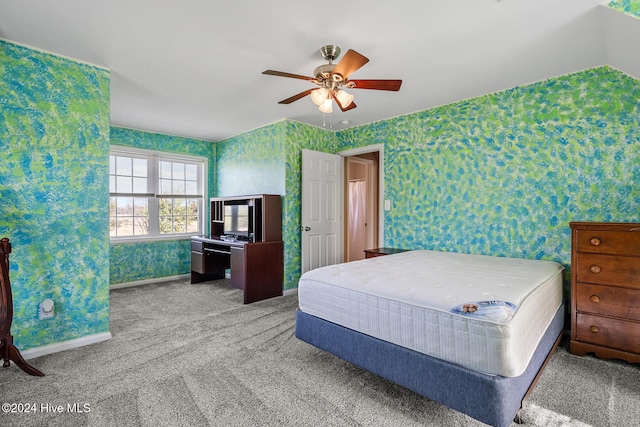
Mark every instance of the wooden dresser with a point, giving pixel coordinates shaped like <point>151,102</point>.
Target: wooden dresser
<point>605,290</point>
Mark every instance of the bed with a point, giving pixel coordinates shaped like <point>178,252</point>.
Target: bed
<point>472,332</point>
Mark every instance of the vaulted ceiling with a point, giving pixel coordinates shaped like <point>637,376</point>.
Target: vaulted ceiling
<point>193,67</point>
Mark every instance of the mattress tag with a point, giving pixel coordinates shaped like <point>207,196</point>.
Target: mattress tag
<point>501,311</point>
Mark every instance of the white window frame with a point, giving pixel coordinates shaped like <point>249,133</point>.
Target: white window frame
<point>153,162</point>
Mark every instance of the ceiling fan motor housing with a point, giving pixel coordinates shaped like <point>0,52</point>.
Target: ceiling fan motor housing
<point>330,52</point>
<point>324,72</point>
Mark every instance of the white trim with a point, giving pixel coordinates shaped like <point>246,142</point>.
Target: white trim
<point>153,157</point>
<point>288,292</point>
<point>65,345</point>
<point>381,197</point>
<point>151,238</point>
<point>148,281</point>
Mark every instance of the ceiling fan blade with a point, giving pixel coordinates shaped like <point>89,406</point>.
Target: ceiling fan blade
<point>344,108</point>
<point>377,84</point>
<point>349,107</point>
<point>349,63</point>
<point>295,97</point>
<point>283,74</point>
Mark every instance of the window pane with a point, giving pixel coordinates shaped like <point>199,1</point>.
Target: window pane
<point>112,165</point>
<point>140,168</point>
<point>191,188</point>
<point>165,224</point>
<point>124,226</point>
<point>192,224</point>
<point>139,185</point>
<point>165,186</point>
<point>165,169</point>
<point>191,172</point>
<point>112,184</point>
<point>179,224</point>
<point>178,188</point>
<point>165,207</point>
<point>124,184</point>
<point>124,206</point>
<point>192,207</point>
<point>178,171</point>
<point>141,206</point>
<point>123,165</point>
<point>141,225</point>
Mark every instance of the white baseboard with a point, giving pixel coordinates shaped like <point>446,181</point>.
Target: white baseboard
<point>148,281</point>
<point>293,291</point>
<point>65,345</point>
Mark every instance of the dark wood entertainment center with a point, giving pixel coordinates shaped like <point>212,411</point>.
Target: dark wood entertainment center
<point>254,255</point>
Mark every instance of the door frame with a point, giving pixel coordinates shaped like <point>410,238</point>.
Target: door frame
<point>379,148</point>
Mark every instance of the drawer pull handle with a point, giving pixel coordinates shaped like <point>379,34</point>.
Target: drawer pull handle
<point>595,269</point>
<point>595,241</point>
<point>595,298</point>
<point>594,329</point>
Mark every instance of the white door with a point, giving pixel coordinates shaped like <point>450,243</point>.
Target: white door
<point>322,242</point>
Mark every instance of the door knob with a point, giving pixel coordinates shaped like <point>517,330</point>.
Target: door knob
<point>307,228</point>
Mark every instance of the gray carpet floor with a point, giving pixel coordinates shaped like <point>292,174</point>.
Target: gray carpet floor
<point>184,354</point>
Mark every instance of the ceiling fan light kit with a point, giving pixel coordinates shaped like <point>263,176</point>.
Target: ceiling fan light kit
<point>318,96</point>
<point>333,78</point>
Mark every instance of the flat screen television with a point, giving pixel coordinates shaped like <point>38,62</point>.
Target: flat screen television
<point>237,220</point>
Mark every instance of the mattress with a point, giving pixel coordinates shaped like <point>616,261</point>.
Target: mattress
<point>484,313</point>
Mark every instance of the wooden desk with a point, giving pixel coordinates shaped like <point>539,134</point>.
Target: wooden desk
<point>372,253</point>
<point>256,268</point>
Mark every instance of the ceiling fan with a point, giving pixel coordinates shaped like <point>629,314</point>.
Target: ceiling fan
<point>332,79</point>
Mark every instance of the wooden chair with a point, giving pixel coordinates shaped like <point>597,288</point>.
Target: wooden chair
<point>8,351</point>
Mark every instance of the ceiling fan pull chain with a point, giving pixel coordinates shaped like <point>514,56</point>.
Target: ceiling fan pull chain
<point>324,120</point>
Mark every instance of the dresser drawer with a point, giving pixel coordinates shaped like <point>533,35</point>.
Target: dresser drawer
<point>620,334</point>
<point>608,269</point>
<point>608,300</point>
<point>608,242</point>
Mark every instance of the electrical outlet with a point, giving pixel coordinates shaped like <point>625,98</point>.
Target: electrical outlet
<point>46,309</point>
<point>387,205</point>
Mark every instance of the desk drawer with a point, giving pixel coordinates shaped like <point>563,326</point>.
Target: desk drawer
<point>608,300</point>
<point>198,262</point>
<point>196,246</point>
<point>620,334</point>
<point>608,269</point>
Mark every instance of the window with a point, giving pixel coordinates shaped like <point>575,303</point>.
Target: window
<point>155,194</point>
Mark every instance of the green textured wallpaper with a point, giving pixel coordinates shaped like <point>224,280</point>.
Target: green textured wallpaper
<point>631,7</point>
<point>505,173</point>
<point>54,184</point>
<point>267,161</point>
<point>252,163</point>
<point>134,261</point>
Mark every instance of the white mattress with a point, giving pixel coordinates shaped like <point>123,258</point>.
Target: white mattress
<point>425,300</point>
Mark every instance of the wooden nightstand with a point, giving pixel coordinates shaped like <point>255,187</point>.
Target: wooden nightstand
<point>372,253</point>
<point>605,290</point>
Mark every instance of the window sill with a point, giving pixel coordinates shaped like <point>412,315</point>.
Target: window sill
<point>156,238</point>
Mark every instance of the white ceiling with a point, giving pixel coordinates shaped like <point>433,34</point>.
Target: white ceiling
<point>193,67</point>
